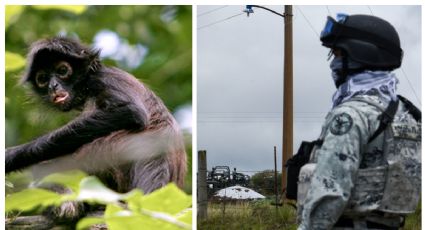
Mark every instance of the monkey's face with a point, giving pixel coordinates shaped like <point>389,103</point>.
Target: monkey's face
<point>57,83</point>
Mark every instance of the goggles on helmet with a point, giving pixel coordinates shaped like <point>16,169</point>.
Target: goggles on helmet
<point>335,30</point>
<point>331,26</point>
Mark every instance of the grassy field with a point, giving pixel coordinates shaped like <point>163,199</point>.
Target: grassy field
<point>413,222</point>
<point>253,215</point>
<point>263,216</point>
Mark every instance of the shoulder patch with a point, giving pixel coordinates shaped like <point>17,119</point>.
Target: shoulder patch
<point>341,124</point>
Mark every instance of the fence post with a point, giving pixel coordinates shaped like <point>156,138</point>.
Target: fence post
<point>202,185</point>
<point>275,180</point>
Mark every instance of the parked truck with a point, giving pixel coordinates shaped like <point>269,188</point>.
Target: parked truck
<point>221,177</point>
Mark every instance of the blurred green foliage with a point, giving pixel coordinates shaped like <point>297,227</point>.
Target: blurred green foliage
<point>165,32</point>
<point>165,208</point>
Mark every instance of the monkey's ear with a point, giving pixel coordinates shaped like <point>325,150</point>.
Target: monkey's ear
<point>93,59</point>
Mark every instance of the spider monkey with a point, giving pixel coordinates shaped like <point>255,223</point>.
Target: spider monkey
<point>124,134</point>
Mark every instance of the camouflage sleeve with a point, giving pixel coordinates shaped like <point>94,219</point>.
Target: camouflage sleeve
<point>345,133</point>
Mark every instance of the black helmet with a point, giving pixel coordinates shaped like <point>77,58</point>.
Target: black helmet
<point>366,39</point>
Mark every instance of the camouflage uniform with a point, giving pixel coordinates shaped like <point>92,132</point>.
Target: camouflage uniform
<point>338,163</point>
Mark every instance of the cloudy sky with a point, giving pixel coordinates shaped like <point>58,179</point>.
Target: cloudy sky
<point>240,77</point>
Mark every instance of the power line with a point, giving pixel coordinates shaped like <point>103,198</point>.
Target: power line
<point>370,9</point>
<point>404,73</point>
<point>306,116</point>
<point>222,20</point>
<point>311,26</point>
<point>259,114</point>
<point>411,86</point>
<point>257,121</point>
<point>329,11</point>
<point>210,11</point>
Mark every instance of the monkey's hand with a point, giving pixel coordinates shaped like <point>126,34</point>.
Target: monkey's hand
<point>17,157</point>
<point>12,157</point>
<point>69,210</point>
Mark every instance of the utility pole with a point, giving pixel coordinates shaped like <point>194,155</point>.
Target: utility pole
<point>287,86</point>
<point>287,96</point>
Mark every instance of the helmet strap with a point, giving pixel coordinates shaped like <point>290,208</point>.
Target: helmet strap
<point>342,73</point>
<point>344,66</point>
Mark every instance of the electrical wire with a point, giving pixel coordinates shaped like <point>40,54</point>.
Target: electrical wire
<point>216,22</point>
<point>210,11</point>
<point>311,26</point>
<point>370,9</point>
<point>329,11</point>
<point>411,86</point>
<point>404,73</point>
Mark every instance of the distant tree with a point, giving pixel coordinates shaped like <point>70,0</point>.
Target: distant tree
<point>263,182</point>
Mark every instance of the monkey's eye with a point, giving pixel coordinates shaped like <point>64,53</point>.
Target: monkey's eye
<point>41,79</point>
<point>64,70</point>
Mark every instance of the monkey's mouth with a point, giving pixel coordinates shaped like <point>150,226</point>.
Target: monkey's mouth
<point>60,97</point>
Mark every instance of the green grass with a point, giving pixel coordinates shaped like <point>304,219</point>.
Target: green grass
<point>262,216</point>
<point>250,215</point>
<point>413,221</point>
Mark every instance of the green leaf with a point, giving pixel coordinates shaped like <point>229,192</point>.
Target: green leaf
<point>134,200</point>
<point>169,199</point>
<point>12,13</point>
<point>116,210</point>
<point>138,222</point>
<point>28,199</point>
<point>185,216</point>
<point>14,61</point>
<point>70,179</point>
<point>156,220</point>
<point>91,189</point>
<point>76,9</point>
<point>87,222</point>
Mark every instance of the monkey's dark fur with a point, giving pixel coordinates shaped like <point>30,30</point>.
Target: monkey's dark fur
<point>124,134</point>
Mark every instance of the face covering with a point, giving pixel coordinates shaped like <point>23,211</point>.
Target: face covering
<point>336,66</point>
<point>378,83</point>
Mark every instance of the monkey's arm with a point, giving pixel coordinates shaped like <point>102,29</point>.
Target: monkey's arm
<point>69,138</point>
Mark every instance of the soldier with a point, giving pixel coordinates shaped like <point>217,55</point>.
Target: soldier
<point>365,171</point>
